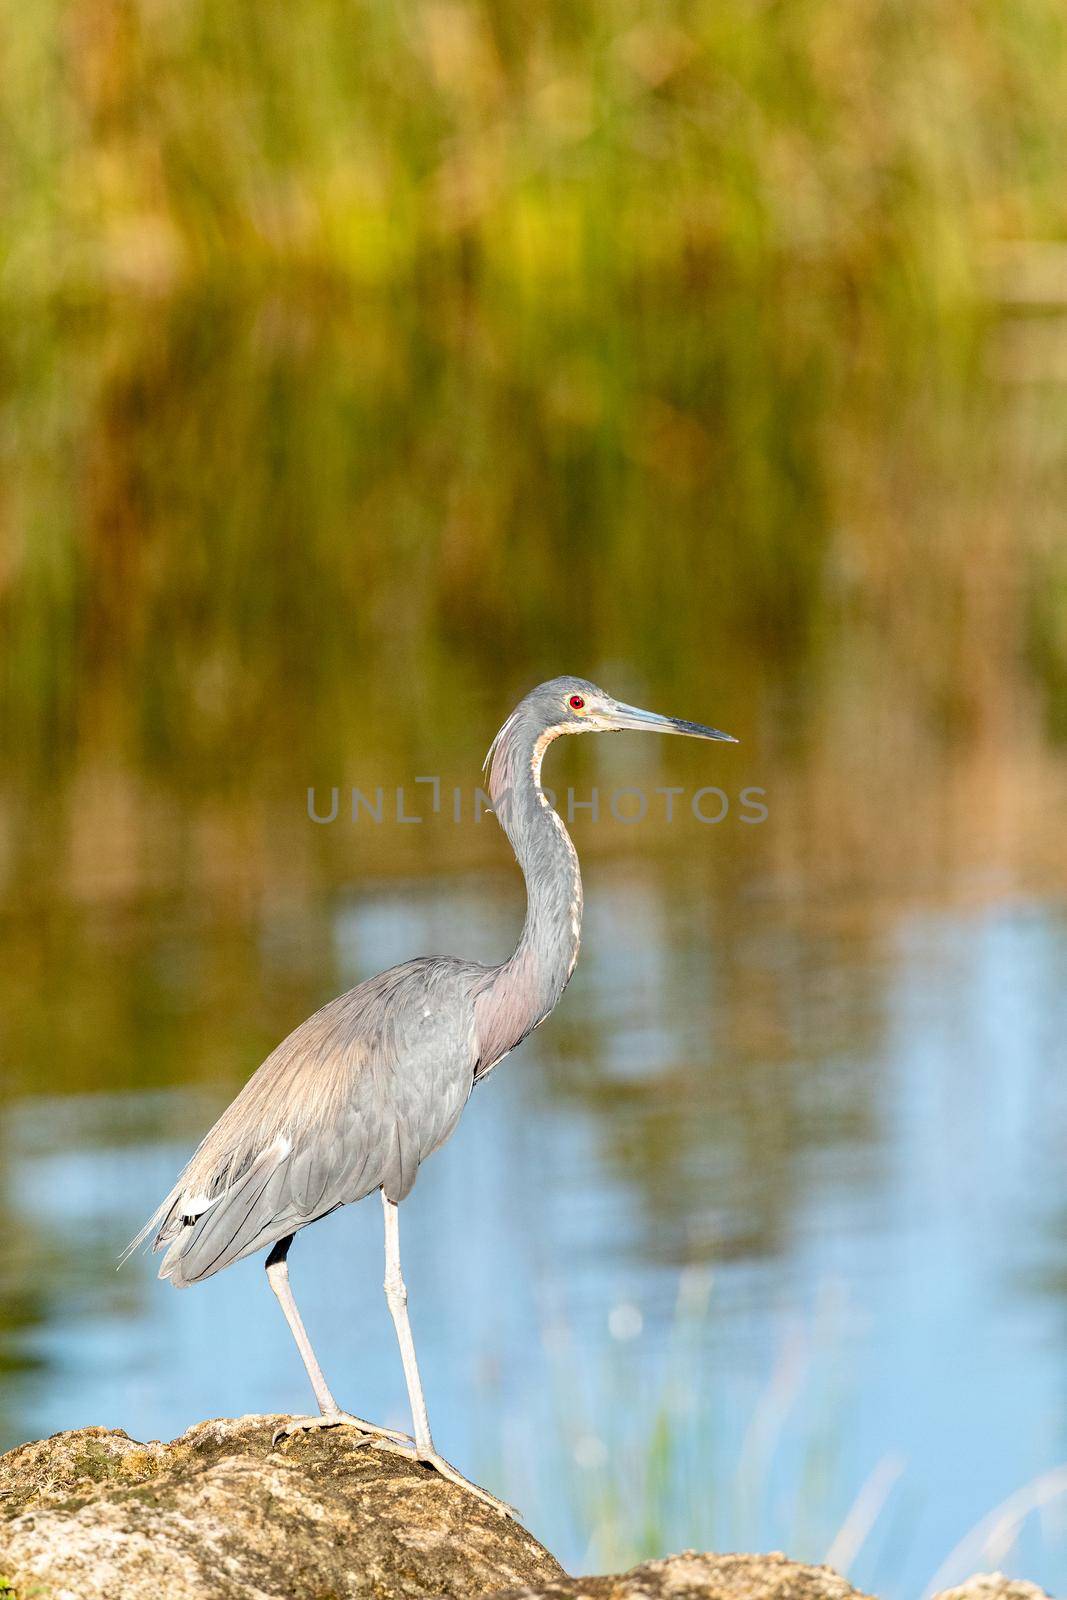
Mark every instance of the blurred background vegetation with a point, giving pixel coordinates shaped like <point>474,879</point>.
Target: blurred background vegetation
<point>569,277</point>
<point>572,280</point>
<point>362,364</point>
<point>876,150</point>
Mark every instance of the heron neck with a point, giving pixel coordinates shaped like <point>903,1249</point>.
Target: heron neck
<point>528,986</point>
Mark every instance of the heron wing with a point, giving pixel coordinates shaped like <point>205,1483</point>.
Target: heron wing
<point>353,1100</point>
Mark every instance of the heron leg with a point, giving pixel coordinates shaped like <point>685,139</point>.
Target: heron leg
<point>396,1295</point>
<point>331,1415</point>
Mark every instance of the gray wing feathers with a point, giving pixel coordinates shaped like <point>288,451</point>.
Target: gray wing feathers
<point>229,1230</point>
<point>310,1171</point>
<point>352,1101</point>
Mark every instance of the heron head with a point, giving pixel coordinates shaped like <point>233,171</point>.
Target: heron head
<point>574,705</point>
<point>571,705</point>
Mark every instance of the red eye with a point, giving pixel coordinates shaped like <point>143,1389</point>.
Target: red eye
<point>577,702</point>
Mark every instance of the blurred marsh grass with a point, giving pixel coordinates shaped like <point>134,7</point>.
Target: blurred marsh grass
<point>229,522</point>
<point>649,1467</point>
<point>483,332</point>
<point>657,1460</point>
<point>560,151</point>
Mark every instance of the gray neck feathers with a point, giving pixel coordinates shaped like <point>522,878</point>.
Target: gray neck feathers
<point>525,989</point>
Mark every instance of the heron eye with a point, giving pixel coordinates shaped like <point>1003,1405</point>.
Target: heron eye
<point>577,702</point>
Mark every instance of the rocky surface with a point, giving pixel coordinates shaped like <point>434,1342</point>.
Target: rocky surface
<point>993,1586</point>
<point>701,1577</point>
<point>221,1515</point>
<point>690,1576</point>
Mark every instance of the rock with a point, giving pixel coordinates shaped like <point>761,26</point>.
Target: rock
<point>219,1515</point>
<point>700,1577</point>
<point>993,1586</point>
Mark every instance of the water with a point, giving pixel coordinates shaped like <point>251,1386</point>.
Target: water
<point>767,1226</point>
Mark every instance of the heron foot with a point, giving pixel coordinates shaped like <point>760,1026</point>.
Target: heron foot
<point>341,1419</point>
<point>430,1458</point>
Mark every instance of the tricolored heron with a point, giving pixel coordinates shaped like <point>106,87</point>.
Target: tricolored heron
<point>358,1096</point>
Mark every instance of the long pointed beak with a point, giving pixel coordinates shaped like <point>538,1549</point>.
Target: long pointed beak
<point>623,716</point>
